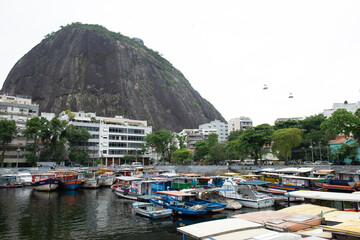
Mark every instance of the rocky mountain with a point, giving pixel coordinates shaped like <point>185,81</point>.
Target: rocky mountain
<point>89,68</point>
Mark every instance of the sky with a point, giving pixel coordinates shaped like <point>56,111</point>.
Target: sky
<point>226,49</point>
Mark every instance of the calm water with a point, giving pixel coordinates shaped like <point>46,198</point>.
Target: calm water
<point>82,214</point>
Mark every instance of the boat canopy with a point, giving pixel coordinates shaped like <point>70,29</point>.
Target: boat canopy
<point>176,193</point>
<point>254,182</point>
<point>303,178</point>
<point>333,196</point>
<point>128,179</point>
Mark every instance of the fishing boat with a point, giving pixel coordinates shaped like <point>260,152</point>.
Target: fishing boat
<point>295,183</point>
<point>45,182</point>
<point>213,195</point>
<point>9,182</point>
<point>107,179</point>
<point>243,193</point>
<point>25,177</point>
<point>131,187</point>
<point>174,200</point>
<point>334,187</point>
<point>69,181</point>
<point>90,180</point>
<point>150,210</point>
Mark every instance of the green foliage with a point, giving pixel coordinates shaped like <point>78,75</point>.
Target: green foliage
<point>34,128</point>
<point>252,140</point>
<point>201,150</point>
<point>162,140</point>
<point>31,159</point>
<point>182,140</point>
<point>82,158</point>
<point>234,135</point>
<point>284,140</point>
<point>212,139</point>
<point>286,124</point>
<point>182,155</point>
<point>7,133</point>
<point>343,122</point>
<point>216,153</point>
<point>349,151</point>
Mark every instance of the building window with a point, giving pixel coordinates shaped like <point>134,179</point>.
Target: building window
<point>104,151</point>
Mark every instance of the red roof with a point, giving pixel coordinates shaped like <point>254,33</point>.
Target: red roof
<point>340,139</point>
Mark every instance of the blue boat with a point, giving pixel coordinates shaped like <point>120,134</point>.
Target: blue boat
<point>175,200</point>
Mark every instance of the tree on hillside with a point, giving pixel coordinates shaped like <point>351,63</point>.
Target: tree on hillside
<point>7,133</point>
<point>284,140</point>
<point>343,122</point>
<point>33,131</point>
<point>162,140</point>
<point>252,141</point>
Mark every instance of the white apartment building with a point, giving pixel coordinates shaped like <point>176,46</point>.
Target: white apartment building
<point>241,123</point>
<point>113,138</point>
<point>192,136</point>
<point>19,109</point>
<point>289,118</point>
<point>215,126</point>
<point>351,107</point>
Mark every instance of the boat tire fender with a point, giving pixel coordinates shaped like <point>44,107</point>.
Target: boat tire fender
<point>174,212</point>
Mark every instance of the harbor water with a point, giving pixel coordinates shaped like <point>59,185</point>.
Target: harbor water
<point>83,214</point>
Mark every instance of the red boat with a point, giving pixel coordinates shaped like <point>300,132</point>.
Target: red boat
<point>341,188</point>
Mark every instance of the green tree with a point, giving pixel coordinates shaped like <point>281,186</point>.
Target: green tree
<point>182,155</point>
<point>77,141</point>
<point>234,135</point>
<point>286,124</point>
<point>251,142</point>
<point>201,150</point>
<point>284,140</point>
<point>31,159</point>
<point>53,137</point>
<point>34,128</point>
<point>7,133</point>
<point>212,139</point>
<point>162,140</point>
<point>347,151</point>
<point>216,153</point>
<point>182,140</point>
<point>343,122</point>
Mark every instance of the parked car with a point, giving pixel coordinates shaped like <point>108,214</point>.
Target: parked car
<point>307,163</point>
<point>136,164</point>
<point>323,163</point>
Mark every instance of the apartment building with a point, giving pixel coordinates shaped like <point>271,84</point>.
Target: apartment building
<point>240,123</point>
<point>217,127</point>
<point>113,138</point>
<point>19,109</point>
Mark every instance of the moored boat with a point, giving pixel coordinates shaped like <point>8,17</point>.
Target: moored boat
<point>45,182</point>
<point>150,210</point>
<point>174,200</point>
<point>334,187</point>
<point>131,187</point>
<point>69,181</point>
<point>238,190</point>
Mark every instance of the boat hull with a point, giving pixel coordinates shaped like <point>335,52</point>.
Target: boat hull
<point>46,185</point>
<point>150,211</point>
<point>71,185</point>
<point>124,194</point>
<point>90,183</point>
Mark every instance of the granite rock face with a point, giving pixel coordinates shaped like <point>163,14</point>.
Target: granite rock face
<point>88,68</point>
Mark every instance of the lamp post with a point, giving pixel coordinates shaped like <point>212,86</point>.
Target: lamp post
<point>18,150</point>
<point>320,150</point>
<point>312,151</point>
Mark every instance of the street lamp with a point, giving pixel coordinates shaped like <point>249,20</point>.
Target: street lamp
<point>312,151</point>
<point>18,150</point>
<point>320,150</point>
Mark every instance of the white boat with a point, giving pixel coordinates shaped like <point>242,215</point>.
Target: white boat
<point>90,180</point>
<point>150,210</point>
<point>107,179</point>
<point>245,195</point>
<point>45,182</point>
<point>131,187</point>
<point>215,196</point>
<point>25,177</point>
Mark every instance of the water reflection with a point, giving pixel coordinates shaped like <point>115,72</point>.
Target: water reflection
<point>94,214</point>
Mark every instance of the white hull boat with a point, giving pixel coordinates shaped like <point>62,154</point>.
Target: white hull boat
<point>245,195</point>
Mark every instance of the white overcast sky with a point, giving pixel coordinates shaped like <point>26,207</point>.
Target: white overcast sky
<point>227,49</point>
